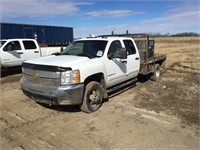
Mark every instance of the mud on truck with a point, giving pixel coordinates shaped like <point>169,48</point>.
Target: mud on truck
<point>87,70</point>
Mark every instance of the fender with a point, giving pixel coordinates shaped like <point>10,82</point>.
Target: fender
<point>91,67</point>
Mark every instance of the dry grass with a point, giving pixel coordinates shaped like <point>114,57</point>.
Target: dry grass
<point>177,40</point>
<point>177,93</point>
<point>180,54</point>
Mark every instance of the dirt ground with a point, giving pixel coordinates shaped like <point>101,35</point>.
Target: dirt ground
<point>159,115</point>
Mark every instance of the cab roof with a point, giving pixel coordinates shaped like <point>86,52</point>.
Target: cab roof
<point>104,38</point>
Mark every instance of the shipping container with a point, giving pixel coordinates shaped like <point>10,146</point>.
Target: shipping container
<point>45,35</point>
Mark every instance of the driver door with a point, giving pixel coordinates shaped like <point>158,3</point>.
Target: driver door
<point>12,54</point>
<point>116,68</point>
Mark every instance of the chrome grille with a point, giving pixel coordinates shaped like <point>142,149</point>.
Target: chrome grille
<point>41,77</point>
<point>41,80</point>
<point>41,73</point>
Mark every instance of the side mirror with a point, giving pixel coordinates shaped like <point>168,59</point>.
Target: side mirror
<point>7,48</point>
<point>123,53</point>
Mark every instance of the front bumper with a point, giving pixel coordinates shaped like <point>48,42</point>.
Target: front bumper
<point>62,95</point>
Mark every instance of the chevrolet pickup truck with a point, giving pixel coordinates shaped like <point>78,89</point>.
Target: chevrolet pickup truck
<point>14,51</point>
<point>87,70</point>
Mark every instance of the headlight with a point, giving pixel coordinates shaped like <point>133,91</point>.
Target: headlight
<point>68,77</point>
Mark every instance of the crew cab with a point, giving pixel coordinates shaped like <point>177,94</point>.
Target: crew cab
<point>88,69</point>
<point>14,51</point>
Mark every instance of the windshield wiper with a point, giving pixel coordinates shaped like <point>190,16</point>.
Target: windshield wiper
<point>83,54</point>
<point>57,54</point>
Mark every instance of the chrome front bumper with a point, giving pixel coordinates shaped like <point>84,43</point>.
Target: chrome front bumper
<point>62,95</point>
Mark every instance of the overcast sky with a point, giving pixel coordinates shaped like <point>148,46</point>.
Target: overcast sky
<point>101,16</point>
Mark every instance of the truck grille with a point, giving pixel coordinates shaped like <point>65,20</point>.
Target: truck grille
<point>40,77</point>
<point>41,73</point>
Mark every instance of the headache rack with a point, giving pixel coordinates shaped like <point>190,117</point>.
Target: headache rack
<point>136,35</point>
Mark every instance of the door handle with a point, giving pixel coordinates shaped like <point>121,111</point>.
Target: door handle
<point>36,51</point>
<point>20,53</point>
<point>137,58</point>
<point>124,61</point>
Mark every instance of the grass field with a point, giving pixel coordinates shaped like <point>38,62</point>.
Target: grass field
<point>177,93</point>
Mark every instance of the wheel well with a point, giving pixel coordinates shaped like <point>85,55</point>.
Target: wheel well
<point>99,77</point>
<point>162,63</point>
<point>96,77</point>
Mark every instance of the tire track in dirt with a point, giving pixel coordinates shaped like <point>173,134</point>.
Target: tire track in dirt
<point>24,124</point>
<point>15,134</point>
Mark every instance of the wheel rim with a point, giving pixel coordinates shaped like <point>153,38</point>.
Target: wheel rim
<point>95,98</point>
<point>158,73</point>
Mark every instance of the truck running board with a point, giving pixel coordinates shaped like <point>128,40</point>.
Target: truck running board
<point>122,85</point>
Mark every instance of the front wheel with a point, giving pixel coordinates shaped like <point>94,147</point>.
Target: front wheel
<point>156,74</point>
<point>93,97</point>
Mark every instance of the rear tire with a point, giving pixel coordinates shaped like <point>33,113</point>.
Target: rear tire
<point>156,74</point>
<point>93,97</point>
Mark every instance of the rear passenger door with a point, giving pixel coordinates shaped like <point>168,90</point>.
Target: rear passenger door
<point>31,49</point>
<point>133,59</point>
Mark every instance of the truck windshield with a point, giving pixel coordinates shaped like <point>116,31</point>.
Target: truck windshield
<point>2,43</point>
<point>86,48</point>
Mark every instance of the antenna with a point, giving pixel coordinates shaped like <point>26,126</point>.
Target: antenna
<point>113,30</point>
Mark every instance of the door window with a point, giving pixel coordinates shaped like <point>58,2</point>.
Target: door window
<point>129,47</point>
<point>113,51</point>
<point>29,45</point>
<point>14,45</point>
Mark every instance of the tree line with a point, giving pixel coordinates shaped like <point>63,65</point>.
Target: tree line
<point>175,35</point>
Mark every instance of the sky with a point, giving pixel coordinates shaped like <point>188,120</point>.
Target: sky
<point>104,16</point>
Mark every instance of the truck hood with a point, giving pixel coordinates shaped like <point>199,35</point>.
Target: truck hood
<point>60,60</point>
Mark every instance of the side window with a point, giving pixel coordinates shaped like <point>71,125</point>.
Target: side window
<point>130,47</point>
<point>14,45</point>
<point>113,51</point>
<point>29,45</point>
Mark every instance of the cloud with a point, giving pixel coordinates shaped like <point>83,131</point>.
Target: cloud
<point>112,13</point>
<point>179,18</point>
<point>182,18</point>
<point>38,8</point>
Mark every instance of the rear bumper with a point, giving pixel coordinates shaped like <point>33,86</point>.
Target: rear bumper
<point>63,95</point>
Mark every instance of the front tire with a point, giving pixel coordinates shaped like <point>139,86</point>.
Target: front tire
<point>93,97</point>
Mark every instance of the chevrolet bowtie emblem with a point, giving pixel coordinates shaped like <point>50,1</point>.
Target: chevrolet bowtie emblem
<point>34,76</point>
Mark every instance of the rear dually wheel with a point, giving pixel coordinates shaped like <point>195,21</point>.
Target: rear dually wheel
<point>156,74</point>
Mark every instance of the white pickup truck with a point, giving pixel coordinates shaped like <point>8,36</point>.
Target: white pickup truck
<point>88,69</point>
<point>14,51</point>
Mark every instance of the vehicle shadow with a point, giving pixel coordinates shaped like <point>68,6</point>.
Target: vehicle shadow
<point>141,79</point>
<point>64,108</point>
<point>119,91</point>
<point>10,71</point>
